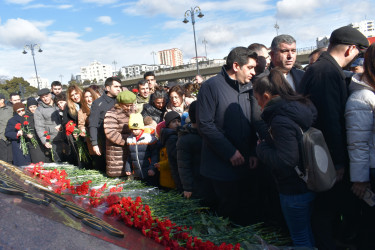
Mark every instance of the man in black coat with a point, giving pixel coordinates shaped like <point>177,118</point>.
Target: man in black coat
<point>98,110</point>
<point>283,55</point>
<point>325,84</point>
<point>224,117</point>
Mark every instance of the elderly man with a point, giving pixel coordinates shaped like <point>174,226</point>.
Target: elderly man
<point>224,118</point>
<point>325,83</point>
<point>283,55</point>
<point>47,119</point>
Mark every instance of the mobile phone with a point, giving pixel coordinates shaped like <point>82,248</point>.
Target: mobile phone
<point>369,197</point>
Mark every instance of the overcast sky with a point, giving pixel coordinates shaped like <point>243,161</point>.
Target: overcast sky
<point>74,33</point>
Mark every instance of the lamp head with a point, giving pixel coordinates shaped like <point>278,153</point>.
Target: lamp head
<point>185,20</point>
<point>24,52</point>
<point>200,15</point>
<point>40,50</point>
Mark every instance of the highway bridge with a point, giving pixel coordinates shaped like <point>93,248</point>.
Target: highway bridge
<point>205,69</point>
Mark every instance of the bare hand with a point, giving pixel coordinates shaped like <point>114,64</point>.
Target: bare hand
<point>19,133</point>
<point>128,173</point>
<point>151,172</point>
<point>359,188</point>
<point>157,165</point>
<point>48,145</point>
<point>340,174</point>
<point>96,150</point>
<point>29,136</point>
<point>253,162</point>
<point>187,194</point>
<point>75,136</point>
<point>58,128</point>
<point>237,159</point>
<point>83,133</point>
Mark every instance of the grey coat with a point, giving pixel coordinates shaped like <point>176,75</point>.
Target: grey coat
<point>46,118</point>
<point>6,113</point>
<point>360,127</point>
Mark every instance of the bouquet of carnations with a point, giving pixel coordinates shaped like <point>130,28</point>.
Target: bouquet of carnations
<point>26,129</point>
<point>23,143</point>
<point>48,139</point>
<point>83,153</point>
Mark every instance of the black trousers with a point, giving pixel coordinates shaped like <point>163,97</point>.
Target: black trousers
<point>6,151</point>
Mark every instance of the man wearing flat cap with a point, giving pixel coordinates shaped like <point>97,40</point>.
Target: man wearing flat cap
<point>6,112</point>
<point>325,84</point>
<point>47,119</point>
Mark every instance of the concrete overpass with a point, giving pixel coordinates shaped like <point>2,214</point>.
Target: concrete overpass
<point>188,73</point>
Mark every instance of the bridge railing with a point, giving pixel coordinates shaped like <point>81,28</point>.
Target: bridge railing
<point>306,50</point>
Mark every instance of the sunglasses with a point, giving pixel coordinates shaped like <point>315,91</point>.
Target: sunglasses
<point>20,110</point>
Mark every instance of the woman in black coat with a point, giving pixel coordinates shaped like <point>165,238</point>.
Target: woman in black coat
<point>156,108</point>
<point>286,113</point>
<point>14,135</point>
<point>37,153</point>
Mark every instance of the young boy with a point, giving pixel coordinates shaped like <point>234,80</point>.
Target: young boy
<point>168,139</point>
<point>143,152</point>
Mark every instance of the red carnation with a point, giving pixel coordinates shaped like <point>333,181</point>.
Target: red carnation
<point>48,137</point>
<point>18,126</point>
<point>26,116</point>
<point>45,132</point>
<point>25,123</point>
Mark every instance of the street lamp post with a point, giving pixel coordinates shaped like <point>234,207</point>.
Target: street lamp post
<point>205,49</point>
<point>31,47</point>
<point>61,76</point>
<point>153,53</point>
<point>190,13</point>
<point>277,27</point>
<point>114,63</point>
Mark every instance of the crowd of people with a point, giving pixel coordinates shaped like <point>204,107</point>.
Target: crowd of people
<point>231,141</point>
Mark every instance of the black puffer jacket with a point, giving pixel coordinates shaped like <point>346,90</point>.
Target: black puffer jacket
<point>155,113</point>
<point>189,146</point>
<point>280,151</point>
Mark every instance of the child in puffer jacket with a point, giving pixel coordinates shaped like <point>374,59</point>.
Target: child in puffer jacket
<point>143,152</point>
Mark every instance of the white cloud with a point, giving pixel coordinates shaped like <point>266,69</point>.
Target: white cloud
<point>88,29</point>
<point>297,8</point>
<point>239,5</point>
<point>100,2</point>
<point>18,32</point>
<point>155,7</point>
<point>65,6</point>
<point>105,20</point>
<point>19,1</point>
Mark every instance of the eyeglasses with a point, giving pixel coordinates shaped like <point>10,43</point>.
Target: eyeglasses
<point>20,110</point>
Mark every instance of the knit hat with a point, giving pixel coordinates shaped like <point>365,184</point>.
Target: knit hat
<point>136,121</point>
<point>31,101</point>
<point>18,106</point>
<point>349,35</point>
<point>126,97</point>
<point>170,116</point>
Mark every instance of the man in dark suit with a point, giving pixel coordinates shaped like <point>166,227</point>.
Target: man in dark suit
<point>283,55</point>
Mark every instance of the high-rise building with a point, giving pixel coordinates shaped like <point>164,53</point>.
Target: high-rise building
<point>97,71</point>
<point>367,27</point>
<point>172,57</point>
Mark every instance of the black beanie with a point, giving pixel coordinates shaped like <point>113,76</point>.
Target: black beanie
<point>31,101</point>
<point>170,116</point>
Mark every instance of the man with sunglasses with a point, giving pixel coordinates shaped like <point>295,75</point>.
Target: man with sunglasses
<point>325,84</point>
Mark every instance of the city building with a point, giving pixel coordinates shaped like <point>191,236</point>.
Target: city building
<point>43,82</point>
<point>137,69</point>
<point>97,71</point>
<point>367,27</point>
<point>172,57</point>
<point>200,59</point>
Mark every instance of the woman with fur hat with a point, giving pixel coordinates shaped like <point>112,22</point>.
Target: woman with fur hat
<point>116,129</point>
<point>14,135</point>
